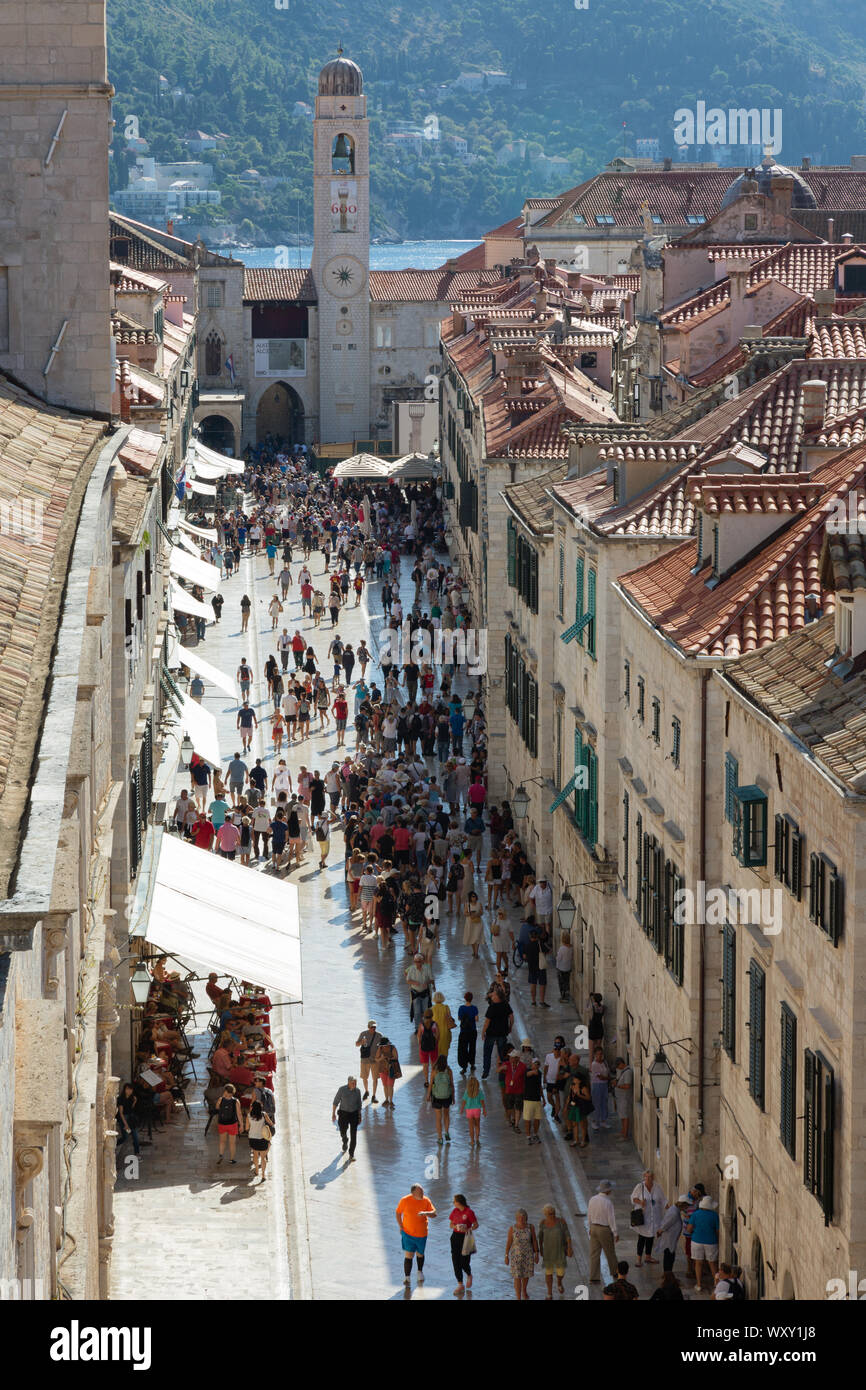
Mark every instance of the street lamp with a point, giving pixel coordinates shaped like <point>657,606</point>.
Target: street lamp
<point>186,750</point>
<point>566,911</point>
<point>140,982</point>
<point>520,803</point>
<point>660,1074</point>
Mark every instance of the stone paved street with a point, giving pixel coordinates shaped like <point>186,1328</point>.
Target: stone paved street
<point>319,1226</point>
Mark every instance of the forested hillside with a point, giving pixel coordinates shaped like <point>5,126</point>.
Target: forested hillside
<point>583,85</point>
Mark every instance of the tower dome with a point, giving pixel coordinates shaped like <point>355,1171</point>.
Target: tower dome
<point>341,78</point>
<point>761,180</point>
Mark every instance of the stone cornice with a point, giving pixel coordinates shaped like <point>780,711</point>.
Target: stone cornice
<point>27,91</point>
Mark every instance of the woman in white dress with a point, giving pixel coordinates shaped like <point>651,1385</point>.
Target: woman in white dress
<point>648,1198</point>
<point>473,924</point>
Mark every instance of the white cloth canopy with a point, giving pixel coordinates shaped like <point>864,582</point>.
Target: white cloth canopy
<point>202,469</point>
<point>225,917</point>
<point>363,466</point>
<point>206,489</point>
<point>203,533</point>
<point>188,656</point>
<point>184,602</point>
<point>206,455</point>
<point>189,544</point>
<point>412,466</point>
<point>194,569</point>
<point>202,729</point>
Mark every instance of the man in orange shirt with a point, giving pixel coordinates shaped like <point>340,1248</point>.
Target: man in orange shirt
<point>413,1213</point>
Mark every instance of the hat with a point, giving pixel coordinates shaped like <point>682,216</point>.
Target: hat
<point>683,1200</point>
<point>514,1053</point>
<point>604,1186</point>
<point>524,1042</point>
<point>707,1204</point>
<point>371,1023</point>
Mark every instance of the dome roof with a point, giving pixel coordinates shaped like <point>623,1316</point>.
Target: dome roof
<point>760,180</point>
<point>341,78</point>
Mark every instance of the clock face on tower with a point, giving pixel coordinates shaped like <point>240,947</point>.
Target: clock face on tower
<point>344,277</point>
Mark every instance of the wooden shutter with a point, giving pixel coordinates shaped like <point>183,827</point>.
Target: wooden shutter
<point>828,1122</point>
<point>787,1115</point>
<point>638,864</point>
<point>592,798</point>
<point>731,775</point>
<point>625,827</point>
<point>809,1119</point>
<point>778,855</point>
<point>797,851</point>
<point>814,884</point>
<point>533,581</point>
<point>835,906</point>
<point>729,989</point>
<point>578,593</point>
<point>590,606</point>
<point>757,985</point>
<point>512,554</point>
<point>134,824</point>
<point>658,881</point>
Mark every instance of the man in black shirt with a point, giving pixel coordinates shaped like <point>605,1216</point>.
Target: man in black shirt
<point>498,1023</point>
<point>259,777</point>
<point>537,971</point>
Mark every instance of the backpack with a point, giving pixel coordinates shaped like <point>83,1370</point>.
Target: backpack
<point>428,1040</point>
<point>321,832</point>
<point>226,1111</point>
<point>737,1290</point>
<point>441,1085</point>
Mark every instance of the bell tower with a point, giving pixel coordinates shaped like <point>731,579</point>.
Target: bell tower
<point>341,251</point>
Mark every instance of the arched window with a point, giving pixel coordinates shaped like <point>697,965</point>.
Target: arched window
<point>213,354</point>
<point>760,1271</point>
<point>343,155</point>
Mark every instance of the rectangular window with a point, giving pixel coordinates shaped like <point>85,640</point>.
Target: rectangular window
<point>657,719</point>
<point>512,554</point>
<point>673,930</point>
<point>560,584</point>
<point>757,1002</point>
<point>676,732</point>
<point>627,682</point>
<point>641,699</point>
<point>826,896</point>
<point>732,772</point>
<point>431,333</point>
<point>590,608</point>
<point>531,737</point>
<point>729,989</point>
<point>139,595</point>
<point>384,335</point>
<point>818,1129</point>
<point>213,294</point>
<point>750,826</point>
<point>638,867</point>
<point>579,609</point>
<point>558,736</point>
<point>625,813</point>
<point>787,1115</point>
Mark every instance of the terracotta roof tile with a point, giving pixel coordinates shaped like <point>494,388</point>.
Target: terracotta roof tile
<point>428,286</point>
<point>531,499</point>
<point>266,285</point>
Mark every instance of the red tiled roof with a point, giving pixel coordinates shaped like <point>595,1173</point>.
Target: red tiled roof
<point>473,259</point>
<point>266,284</point>
<point>839,338</point>
<point>763,599</point>
<point>509,231</point>
<point>427,286</point>
<point>718,493</point>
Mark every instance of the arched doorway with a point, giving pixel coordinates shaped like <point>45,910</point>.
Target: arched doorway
<point>216,432</point>
<point>280,412</point>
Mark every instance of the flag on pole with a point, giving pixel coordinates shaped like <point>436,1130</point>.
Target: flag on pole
<point>180,485</point>
<point>230,367</point>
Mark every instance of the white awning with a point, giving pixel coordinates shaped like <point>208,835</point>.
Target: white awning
<point>188,656</point>
<point>196,570</point>
<point>183,602</point>
<point>202,729</point>
<point>203,469</point>
<point>226,917</point>
<point>189,544</point>
<point>363,466</point>
<point>204,533</point>
<point>211,456</point>
<point>206,489</point>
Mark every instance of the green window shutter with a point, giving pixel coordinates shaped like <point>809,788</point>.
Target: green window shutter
<point>729,989</point>
<point>638,863</point>
<point>731,775</point>
<point>563,795</point>
<point>835,906</point>
<point>590,608</point>
<point>576,629</point>
<point>627,682</point>
<point>658,861</point>
<point>757,986</point>
<point>579,792</point>
<point>787,1118</point>
<point>797,865</point>
<point>679,964</point>
<point>779,848</point>
<point>134,823</point>
<point>625,864</point>
<point>512,555</point>
<point>828,1123</point>
<point>578,599</point>
<point>592,798</point>
<point>532,717</point>
<point>533,581</point>
<point>814,874</point>
<point>810,1077</point>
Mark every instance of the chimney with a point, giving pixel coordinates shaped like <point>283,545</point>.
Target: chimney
<point>814,405</point>
<point>125,392</point>
<point>609,305</point>
<point>805,163</point>
<point>738,276</point>
<point>169,227</point>
<point>824,299</point>
<point>541,302</point>
<point>668,164</point>
<point>782,194</point>
<point>858,162</point>
<point>526,276</point>
<point>847,238</point>
<point>752,333</point>
<point>831,228</point>
<point>459,324</point>
<point>451,266</point>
